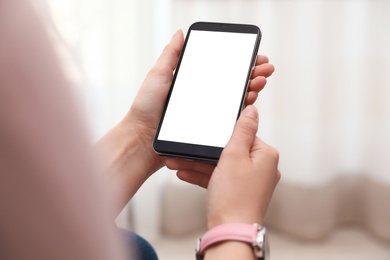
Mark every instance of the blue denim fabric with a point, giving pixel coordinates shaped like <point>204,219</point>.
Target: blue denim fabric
<point>137,247</point>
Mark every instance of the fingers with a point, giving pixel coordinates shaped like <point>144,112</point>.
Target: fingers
<point>264,70</point>
<point>258,80</point>
<point>196,178</point>
<point>262,67</point>
<point>251,98</point>
<point>181,164</point>
<point>193,172</point>
<point>257,84</point>
<point>244,132</point>
<point>261,59</point>
<point>171,52</point>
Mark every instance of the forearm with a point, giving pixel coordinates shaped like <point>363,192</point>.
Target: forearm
<point>128,159</point>
<point>126,150</point>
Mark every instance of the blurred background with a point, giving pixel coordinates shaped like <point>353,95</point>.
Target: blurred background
<point>326,109</point>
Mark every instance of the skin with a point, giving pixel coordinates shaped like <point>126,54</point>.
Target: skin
<point>126,149</point>
<point>48,174</point>
<point>240,186</point>
<point>246,174</point>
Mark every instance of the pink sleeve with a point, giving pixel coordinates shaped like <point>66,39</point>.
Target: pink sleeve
<point>53,203</point>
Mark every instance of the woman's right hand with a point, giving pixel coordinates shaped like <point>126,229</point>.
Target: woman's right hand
<point>242,184</point>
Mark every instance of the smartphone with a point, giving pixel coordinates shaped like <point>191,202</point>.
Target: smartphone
<point>208,90</point>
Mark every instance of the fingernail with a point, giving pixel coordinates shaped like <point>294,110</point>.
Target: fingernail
<point>251,111</point>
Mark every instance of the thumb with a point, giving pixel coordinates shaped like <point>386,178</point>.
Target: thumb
<point>171,52</point>
<point>245,130</point>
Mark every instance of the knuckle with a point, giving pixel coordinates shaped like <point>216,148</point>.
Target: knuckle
<point>272,153</point>
<point>278,176</point>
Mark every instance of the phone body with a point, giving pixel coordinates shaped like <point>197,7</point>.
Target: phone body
<point>208,90</point>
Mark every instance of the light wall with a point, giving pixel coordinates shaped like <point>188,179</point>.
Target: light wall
<point>325,109</point>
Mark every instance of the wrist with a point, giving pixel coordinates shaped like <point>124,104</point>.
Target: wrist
<point>127,161</point>
<point>135,147</point>
<point>227,219</point>
<point>218,237</point>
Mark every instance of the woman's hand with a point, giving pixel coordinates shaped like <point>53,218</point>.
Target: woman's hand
<point>146,110</point>
<point>241,184</point>
<point>127,148</point>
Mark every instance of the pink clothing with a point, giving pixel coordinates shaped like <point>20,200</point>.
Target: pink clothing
<point>53,204</point>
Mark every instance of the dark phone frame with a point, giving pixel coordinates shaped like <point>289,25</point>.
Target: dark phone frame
<point>195,151</point>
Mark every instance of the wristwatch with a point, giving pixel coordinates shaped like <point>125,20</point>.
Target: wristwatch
<point>254,235</point>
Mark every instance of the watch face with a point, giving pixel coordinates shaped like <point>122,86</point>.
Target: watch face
<point>262,247</point>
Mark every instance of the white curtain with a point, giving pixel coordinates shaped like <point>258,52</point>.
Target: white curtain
<point>326,107</point>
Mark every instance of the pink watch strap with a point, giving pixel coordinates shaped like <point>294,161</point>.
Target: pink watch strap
<point>232,231</point>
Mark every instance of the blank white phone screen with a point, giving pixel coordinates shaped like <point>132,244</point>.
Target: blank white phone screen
<point>206,97</point>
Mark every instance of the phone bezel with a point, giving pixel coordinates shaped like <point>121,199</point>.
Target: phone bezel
<point>195,151</point>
